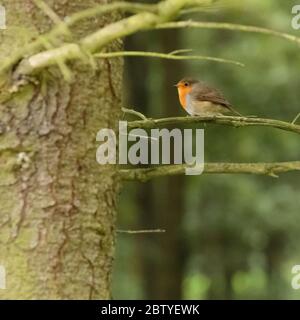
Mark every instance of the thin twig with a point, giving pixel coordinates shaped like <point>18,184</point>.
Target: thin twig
<point>269,169</point>
<point>179,51</point>
<point>227,26</point>
<point>134,113</point>
<point>142,231</point>
<point>296,118</point>
<point>48,11</point>
<point>139,115</point>
<point>170,56</point>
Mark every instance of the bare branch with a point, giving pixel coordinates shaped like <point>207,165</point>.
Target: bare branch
<point>90,44</point>
<point>178,51</point>
<point>154,17</point>
<point>66,72</point>
<point>142,231</point>
<point>223,120</point>
<point>269,169</point>
<point>227,26</point>
<point>48,11</point>
<point>134,113</point>
<point>62,27</point>
<point>171,56</point>
<point>296,118</point>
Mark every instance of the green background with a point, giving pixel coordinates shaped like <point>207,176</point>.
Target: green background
<point>227,236</point>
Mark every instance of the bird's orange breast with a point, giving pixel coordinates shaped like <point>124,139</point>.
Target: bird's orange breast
<point>182,93</point>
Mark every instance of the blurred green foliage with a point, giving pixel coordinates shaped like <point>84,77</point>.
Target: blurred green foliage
<point>242,232</point>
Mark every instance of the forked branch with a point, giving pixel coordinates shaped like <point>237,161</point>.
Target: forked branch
<point>147,17</point>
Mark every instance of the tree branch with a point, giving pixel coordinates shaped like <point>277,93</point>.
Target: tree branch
<point>228,26</point>
<point>296,118</point>
<point>155,18</point>
<point>269,169</point>
<point>48,11</point>
<point>158,13</point>
<point>134,113</point>
<point>142,231</point>
<point>170,56</point>
<point>223,120</point>
<point>62,28</point>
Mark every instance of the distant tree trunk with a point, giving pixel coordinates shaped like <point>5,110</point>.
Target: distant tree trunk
<point>145,195</point>
<point>173,253</point>
<point>163,262</point>
<point>57,204</point>
<point>274,255</point>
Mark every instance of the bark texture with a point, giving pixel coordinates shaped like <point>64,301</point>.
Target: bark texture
<point>57,204</point>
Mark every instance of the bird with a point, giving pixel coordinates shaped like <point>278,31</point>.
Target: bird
<point>199,99</point>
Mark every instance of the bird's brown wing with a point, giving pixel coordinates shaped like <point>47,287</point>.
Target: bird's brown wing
<point>202,92</point>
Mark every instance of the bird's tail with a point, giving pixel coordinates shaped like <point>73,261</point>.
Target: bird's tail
<point>239,114</point>
<point>234,111</point>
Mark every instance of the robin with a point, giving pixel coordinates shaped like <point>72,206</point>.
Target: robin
<point>198,99</point>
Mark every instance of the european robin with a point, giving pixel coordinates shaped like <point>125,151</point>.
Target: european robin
<point>198,99</point>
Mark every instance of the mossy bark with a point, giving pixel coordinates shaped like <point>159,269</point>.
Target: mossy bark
<point>57,204</point>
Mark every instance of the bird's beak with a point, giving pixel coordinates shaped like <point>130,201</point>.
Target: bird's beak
<point>176,85</point>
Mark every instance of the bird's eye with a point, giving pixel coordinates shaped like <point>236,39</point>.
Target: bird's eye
<point>186,84</point>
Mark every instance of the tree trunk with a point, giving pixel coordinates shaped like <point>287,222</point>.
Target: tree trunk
<point>57,204</point>
<point>173,259</point>
<point>138,96</point>
<point>160,203</point>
